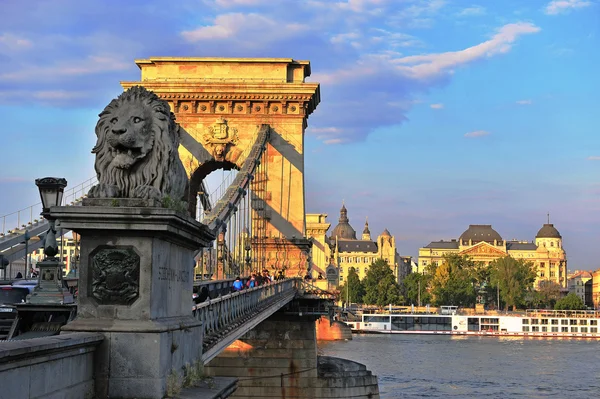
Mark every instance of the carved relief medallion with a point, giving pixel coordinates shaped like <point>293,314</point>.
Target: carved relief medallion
<point>115,273</point>
<point>219,138</point>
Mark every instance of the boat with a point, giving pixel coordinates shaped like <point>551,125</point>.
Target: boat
<point>530,323</point>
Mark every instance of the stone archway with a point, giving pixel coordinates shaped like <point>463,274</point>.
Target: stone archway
<point>220,103</point>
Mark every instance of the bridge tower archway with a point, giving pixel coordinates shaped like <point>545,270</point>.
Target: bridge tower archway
<point>220,103</point>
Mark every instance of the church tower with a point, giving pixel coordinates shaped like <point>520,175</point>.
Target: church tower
<point>366,235</point>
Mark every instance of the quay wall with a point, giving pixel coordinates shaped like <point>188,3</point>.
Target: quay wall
<point>278,359</point>
<point>332,330</point>
<point>60,366</point>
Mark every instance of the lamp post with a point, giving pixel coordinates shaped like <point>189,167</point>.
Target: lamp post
<point>49,289</point>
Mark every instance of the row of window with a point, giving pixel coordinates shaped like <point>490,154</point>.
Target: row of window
<point>356,259</point>
<point>562,329</point>
<point>571,322</point>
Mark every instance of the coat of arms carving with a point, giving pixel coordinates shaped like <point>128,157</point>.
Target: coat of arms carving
<point>219,138</point>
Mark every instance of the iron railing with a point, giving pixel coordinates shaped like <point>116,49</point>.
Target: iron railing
<point>226,312</point>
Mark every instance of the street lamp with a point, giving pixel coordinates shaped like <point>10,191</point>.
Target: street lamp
<point>49,289</point>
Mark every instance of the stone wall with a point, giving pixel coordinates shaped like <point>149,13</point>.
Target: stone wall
<point>278,359</point>
<point>332,330</point>
<point>60,366</point>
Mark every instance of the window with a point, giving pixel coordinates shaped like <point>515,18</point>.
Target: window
<point>573,329</point>
<point>593,322</point>
<point>349,259</point>
<point>366,260</point>
<point>525,328</point>
<point>573,322</point>
<point>544,329</point>
<point>542,274</point>
<point>584,329</point>
<point>564,329</point>
<point>551,273</point>
<point>534,321</point>
<point>535,329</point>
<point>554,322</point>
<point>583,322</point>
<point>552,244</point>
<point>564,322</point>
<point>593,329</point>
<point>554,329</point>
<point>525,321</point>
<point>544,321</point>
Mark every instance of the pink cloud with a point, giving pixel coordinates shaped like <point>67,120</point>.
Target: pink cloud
<point>561,6</point>
<point>477,133</point>
<point>437,106</point>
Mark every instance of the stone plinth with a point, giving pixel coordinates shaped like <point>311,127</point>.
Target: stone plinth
<point>135,287</point>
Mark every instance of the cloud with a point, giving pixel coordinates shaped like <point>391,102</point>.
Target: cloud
<point>524,102</point>
<point>561,6</point>
<point>13,42</point>
<point>430,65</point>
<point>437,106</point>
<point>472,11</point>
<point>477,133</point>
<point>593,158</point>
<point>241,3</point>
<point>247,27</point>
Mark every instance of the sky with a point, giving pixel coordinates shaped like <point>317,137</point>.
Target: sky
<point>434,114</point>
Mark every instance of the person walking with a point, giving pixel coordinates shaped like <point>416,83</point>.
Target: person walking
<point>237,284</point>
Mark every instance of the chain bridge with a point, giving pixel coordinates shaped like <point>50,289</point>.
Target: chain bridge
<point>242,115</point>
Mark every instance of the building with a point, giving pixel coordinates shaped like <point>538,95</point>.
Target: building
<point>334,256</point>
<point>483,244</point>
<point>577,284</point>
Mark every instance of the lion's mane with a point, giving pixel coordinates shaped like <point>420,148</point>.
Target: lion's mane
<point>161,168</point>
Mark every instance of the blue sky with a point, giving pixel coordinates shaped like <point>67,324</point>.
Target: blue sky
<point>434,114</point>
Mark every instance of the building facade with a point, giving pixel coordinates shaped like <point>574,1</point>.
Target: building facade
<point>577,284</point>
<point>483,244</point>
<point>333,256</point>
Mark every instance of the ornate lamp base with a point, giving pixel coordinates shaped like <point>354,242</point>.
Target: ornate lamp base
<point>49,289</point>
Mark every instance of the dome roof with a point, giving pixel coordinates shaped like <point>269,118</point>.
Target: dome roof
<point>343,229</point>
<point>480,232</point>
<point>366,230</point>
<point>548,231</point>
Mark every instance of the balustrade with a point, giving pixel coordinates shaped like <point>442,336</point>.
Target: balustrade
<point>220,314</point>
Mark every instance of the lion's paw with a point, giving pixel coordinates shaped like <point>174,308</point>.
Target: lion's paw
<point>147,192</point>
<point>104,191</point>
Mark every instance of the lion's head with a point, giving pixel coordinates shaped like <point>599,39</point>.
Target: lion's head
<point>136,151</point>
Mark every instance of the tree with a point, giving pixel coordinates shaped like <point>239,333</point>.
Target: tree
<point>514,277</point>
<point>570,302</point>
<point>381,287</point>
<point>414,284</point>
<point>549,294</point>
<point>454,281</point>
<point>353,290</point>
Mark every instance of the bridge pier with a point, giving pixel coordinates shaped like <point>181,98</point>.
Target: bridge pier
<point>135,288</point>
<point>278,359</point>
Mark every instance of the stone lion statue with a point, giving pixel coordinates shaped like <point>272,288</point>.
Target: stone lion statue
<point>137,149</point>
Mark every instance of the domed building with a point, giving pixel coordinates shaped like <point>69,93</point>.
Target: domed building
<point>333,256</point>
<point>484,244</point>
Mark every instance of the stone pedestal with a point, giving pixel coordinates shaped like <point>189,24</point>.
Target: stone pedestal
<point>135,287</point>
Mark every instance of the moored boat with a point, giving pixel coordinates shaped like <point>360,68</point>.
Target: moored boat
<point>531,323</point>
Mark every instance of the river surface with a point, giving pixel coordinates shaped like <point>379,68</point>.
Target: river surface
<point>425,366</point>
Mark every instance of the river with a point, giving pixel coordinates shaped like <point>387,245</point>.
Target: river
<point>426,366</point>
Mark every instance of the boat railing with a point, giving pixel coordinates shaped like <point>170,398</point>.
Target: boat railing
<point>576,314</point>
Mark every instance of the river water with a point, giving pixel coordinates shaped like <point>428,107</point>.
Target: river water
<point>426,366</point>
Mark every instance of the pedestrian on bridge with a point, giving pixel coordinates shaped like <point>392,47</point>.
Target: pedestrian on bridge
<point>237,284</point>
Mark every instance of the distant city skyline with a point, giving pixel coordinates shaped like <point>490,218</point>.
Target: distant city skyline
<point>434,114</point>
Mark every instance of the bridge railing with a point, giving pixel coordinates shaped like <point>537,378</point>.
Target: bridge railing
<point>225,312</point>
<point>23,219</point>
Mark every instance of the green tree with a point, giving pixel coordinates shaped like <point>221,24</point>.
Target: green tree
<point>415,283</point>
<point>515,278</point>
<point>353,290</point>
<point>454,281</point>
<point>549,294</point>
<point>381,287</point>
<point>570,302</point>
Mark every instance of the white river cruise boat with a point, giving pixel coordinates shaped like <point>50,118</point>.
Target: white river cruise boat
<point>531,323</point>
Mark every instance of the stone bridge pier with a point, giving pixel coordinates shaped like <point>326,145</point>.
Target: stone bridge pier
<point>278,359</point>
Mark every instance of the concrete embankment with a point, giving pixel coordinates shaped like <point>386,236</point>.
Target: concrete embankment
<point>278,359</point>
<point>332,330</point>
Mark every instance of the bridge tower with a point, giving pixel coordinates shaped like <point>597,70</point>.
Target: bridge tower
<point>221,102</point>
